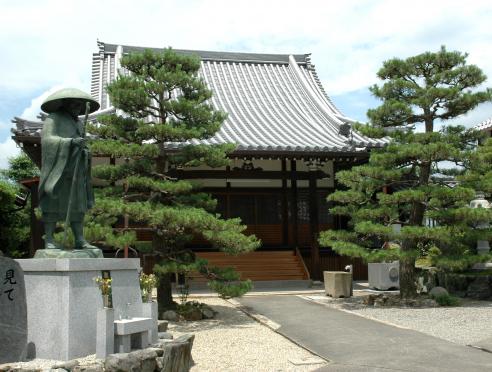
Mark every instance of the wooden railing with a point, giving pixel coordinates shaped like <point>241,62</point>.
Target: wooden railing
<point>299,255</point>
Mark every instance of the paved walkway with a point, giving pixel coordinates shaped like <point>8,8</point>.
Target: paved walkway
<point>353,343</point>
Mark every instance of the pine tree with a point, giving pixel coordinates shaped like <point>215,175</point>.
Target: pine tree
<point>162,104</point>
<point>405,183</point>
<point>20,168</point>
<point>478,174</point>
<point>15,232</point>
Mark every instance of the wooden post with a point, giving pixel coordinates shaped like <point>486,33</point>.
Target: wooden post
<point>37,228</point>
<point>293,185</point>
<point>314,220</point>
<point>285,206</point>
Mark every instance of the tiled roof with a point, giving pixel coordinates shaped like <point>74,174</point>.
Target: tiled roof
<point>26,128</point>
<point>275,102</point>
<point>485,125</point>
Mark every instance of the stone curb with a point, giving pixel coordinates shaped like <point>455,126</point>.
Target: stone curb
<point>354,313</point>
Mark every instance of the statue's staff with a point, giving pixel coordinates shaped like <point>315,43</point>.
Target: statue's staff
<point>74,178</point>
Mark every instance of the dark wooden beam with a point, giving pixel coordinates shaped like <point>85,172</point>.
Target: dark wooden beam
<point>37,229</point>
<point>285,205</point>
<point>243,174</point>
<point>314,225</point>
<point>293,186</point>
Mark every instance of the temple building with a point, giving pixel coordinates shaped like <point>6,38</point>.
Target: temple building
<point>291,140</point>
<point>485,126</point>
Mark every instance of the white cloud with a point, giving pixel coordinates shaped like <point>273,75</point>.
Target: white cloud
<point>349,39</point>
<point>474,117</point>
<point>8,148</point>
<point>34,108</point>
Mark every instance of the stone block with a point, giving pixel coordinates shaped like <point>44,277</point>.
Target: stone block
<point>69,253</point>
<point>170,315</point>
<point>162,326</point>
<point>129,326</point>
<point>164,336</point>
<point>63,302</point>
<point>105,333</point>
<point>438,291</point>
<point>150,310</point>
<point>13,312</point>
<point>337,283</point>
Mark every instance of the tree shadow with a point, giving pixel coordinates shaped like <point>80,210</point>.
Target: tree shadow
<point>226,318</point>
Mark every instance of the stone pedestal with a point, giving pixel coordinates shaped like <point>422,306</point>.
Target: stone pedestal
<point>69,253</point>
<point>337,283</point>
<point>63,302</point>
<point>105,333</point>
<point>150,310</point>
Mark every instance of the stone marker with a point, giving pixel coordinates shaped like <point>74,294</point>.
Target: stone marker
<point>438,291</point>
<point>13,312</point>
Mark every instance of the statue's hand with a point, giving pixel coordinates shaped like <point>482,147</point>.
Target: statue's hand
<point>80,142</point>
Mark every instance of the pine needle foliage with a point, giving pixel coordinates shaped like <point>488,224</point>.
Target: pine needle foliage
<point>161,104</point>
<point>406,182</point>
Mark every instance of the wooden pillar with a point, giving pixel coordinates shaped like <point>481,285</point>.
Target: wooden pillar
<point>228,192</point>
<point>314,220</point>
<point>293,186</point>
<point>37,228</point>
<point>285,206</point>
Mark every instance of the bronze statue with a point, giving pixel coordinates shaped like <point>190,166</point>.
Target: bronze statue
<point>65,188</point>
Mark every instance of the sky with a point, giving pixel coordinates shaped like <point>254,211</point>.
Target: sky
<point>47,45</point>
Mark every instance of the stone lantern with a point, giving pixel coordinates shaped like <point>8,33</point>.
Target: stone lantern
<point>483,246</point>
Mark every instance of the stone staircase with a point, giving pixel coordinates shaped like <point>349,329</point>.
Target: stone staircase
<point>259,266</point>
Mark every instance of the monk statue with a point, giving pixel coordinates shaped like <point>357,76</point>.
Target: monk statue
<point>65,189</point>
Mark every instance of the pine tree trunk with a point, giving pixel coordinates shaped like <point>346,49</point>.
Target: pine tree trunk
<point>164,293</point>
<point>164,290</point>
<point>408,287</point>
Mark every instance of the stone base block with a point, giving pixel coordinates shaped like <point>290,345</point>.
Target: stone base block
<point>69,253</point>
<point>150,310</point>
<point>63,302</point>
<point>337,283</point>
<point>105,333</point>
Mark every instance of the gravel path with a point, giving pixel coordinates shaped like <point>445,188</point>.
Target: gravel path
<point>466,324</point>
<point>235,342</point>
<point>231,342</point>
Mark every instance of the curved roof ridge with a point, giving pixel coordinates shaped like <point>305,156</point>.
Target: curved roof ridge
<point>208,55</point>
<point>486,124</point>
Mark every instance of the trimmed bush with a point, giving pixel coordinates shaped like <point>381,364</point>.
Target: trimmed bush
<point>447,300</point>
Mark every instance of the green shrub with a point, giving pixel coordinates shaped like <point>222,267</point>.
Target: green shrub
<point>15,232</point>
<point>447,300</point>
<point>230,289</point>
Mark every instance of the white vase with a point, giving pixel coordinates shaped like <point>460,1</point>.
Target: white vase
<point>106,301</point>
<point>148,296</point>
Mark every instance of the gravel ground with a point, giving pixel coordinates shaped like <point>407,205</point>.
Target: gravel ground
<point>231,342</point>
<point>466,324</point>
<point>235,342</point>
<point>47,364</point>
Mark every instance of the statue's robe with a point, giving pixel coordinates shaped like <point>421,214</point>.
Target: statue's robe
<point>58,162</point>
